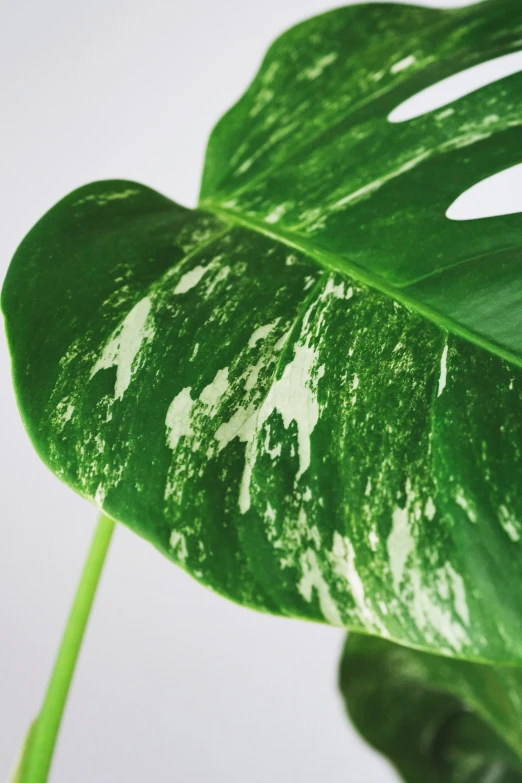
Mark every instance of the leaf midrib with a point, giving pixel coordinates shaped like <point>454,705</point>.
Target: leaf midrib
<point>332,262</point>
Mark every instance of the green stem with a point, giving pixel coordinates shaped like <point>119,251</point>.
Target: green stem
<point>39,750</point>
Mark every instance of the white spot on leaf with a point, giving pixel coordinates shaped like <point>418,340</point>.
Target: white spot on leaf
<point>429,509</point>
<point>294,398</point>
<point>510,523</point>
<point>313,579</point>
<point>190,279</point>
<point>443,370</point>
<point>103,198</point>
<point>400,544</point>
<point>373,538</point>
<point>178,545</point>
<point>183,408</point>
<point>178,419</point>
<point>319,66</point>
<point>63,414</point>
<point>403,64</point>
<point>124,345</point>
<point>430,612</point>
<point>465,506</point>
<point>212,393</point>
<point>260,333</point>
<point>343,563</point>
<point>459,593</point>
<point>277,213</point>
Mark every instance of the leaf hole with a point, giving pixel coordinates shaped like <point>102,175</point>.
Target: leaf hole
<point>457,86</point>
<point>499,194</point>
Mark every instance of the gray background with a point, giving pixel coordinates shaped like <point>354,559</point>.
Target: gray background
<point>174,683</point>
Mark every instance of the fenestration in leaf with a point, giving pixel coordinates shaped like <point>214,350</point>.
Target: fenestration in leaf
<point>244,387</point>
<point>309,156</point>
<point>437,720</point>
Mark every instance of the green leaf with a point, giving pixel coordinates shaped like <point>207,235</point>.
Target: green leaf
<point>437,720</point>
<point>309,156</point>
<point>292,401</point>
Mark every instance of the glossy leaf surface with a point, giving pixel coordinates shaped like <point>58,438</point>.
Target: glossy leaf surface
<point>437,720</point>
<point>252,396</point>
<point>310,155</point>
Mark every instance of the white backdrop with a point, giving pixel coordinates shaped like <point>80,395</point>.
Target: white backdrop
<point>174,684</point>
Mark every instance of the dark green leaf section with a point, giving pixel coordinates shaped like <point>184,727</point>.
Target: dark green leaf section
<point>295,440</point>
<point>437,720</point>
<point>309,155</point>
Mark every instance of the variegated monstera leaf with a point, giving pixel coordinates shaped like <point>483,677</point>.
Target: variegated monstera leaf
<point>308,392</point>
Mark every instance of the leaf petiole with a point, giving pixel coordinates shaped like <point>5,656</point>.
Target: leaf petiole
<point>37,753</point>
